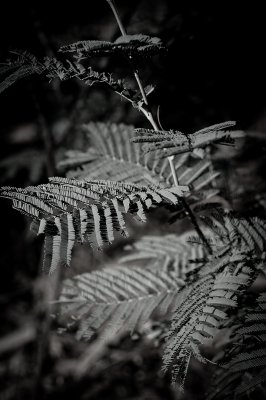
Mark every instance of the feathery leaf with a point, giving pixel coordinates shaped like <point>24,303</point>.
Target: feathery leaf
<point>88,210</point>
<point>115,158</point>
<point>205,304</point>
<point>129,45</point>
<point>118,298</point>
<point>243,361</point>
<point>168,143</point>
<point>168,251</point>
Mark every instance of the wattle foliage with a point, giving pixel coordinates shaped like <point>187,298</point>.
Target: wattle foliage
<point>67,211</point>
<point>199,280</point>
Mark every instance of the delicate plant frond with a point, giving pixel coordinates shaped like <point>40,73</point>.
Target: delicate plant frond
<point>118,298</point>
<point>243,365</point>
<point>27,64</point>
<point>216,127</point>
<point>72,69</point>
<point>205,305</point>
<point>115,158</point>
<point>129,45</point>
<point>167,143</point>
<point>228,228</point>
<point>170,251</point>
<point>69,211</point>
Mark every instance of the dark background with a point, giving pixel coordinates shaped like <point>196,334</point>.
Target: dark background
<point>214,67</point>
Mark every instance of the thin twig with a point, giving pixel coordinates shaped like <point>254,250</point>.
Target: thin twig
<point>158,117</point>
<point>123,32</point>
<point>118,20</point>
<point>148,114</point>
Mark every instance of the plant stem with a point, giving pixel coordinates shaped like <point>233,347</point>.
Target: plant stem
<point>142,91</point>
<point>148,114</point>
<point>123,32</point>
<point>118,20</point>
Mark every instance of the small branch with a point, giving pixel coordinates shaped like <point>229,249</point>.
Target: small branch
<point>158,117</point>
<point>148,114</point>
<point>142,91</point>
<point>171,162</point>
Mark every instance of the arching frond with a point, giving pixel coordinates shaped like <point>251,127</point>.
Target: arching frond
<point>243,363</point>
<point>168,143</point>
<point>72,69</point>
<point>24,64</point>
<point>69,211</point>
<point>27,64</point>
<point>118,298</point>
<point>205,304</point>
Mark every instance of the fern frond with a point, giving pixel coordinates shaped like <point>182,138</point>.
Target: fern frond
<point>205,304</point>
<point>216,127</point>
<point>119,298</point>
<point>129,45</point>
<point>78,211</point>
<point>170,251</point>
<point>118,159</point>
<point>72,69</point>
<point>247,233</point>
<point>27,64</point>
<point>168,143</point>
<point>243,364</point>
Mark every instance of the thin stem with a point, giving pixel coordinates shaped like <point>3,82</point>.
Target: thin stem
<point>123,32</point>
<point>158,117</point>
<point>146,110</point>
<point>142,91</point>
<point>172,166</point>
<point>148,114</point>
<point>195,223</point>
<point>118,20</point>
